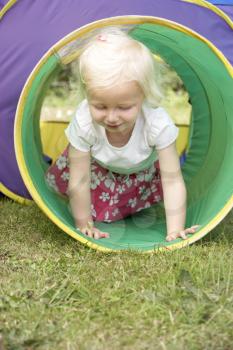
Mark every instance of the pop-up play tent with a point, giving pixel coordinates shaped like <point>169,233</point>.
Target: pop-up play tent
<point>193,37</point>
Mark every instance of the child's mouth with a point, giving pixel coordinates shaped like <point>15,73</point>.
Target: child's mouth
<point>113,126</point>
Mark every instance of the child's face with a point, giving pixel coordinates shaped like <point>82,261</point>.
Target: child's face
<point>116,108</point>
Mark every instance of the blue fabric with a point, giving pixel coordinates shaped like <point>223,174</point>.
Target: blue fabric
<point>221,2</point>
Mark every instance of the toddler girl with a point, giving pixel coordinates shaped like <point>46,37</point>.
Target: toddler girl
<point>121,156</point>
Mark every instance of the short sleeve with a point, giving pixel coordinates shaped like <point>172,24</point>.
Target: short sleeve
<point>80,132</point>
<point>161,130</point>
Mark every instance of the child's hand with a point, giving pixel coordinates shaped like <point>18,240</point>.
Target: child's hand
<point>182,234</point>
<point>91,231</point>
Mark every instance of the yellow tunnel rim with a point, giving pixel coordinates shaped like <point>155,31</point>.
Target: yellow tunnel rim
<point>120,20</point>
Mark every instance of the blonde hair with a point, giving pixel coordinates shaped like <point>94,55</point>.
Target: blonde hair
<point>112,57</point>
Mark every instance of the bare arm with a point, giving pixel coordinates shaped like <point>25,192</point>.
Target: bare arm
<point>174,193</point>
<point>79,192</point>
<point>79,186</point>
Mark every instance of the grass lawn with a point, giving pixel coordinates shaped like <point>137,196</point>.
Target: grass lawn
<point>58,294</point>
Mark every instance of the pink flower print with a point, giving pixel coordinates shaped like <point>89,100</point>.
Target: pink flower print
<point>51,181</point>
<point>157,180</point>
<point>120,188</point>
<point>132,202</point>
<point>106,217</point>
<point>109,183</point>
<point>128,181</point>
<point>114,199</point>
<point>95,181</point>
<point>115,212</point>
<point>141,177</point>
<point>100,176</point>
<point>157,198</point>
<point>147,205</point>
<point>104,196</point>
<point>142,189</point>
<point>61,162</point>
<point>153,188</point>
<point>145,194</point>
<point>65,176</point>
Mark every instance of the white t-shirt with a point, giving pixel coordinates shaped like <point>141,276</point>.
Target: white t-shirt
<point>153,130</point>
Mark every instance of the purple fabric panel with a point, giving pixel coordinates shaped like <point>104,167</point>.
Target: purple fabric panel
<point>9,172</point>
<point>228,10</point>
<point>3,3</point>
<point>29,29</point>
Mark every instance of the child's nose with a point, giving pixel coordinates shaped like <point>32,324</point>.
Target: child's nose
<point>111,116</point>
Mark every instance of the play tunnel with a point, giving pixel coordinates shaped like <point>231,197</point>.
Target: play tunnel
<point>28,29</point>
<point>207,76</point>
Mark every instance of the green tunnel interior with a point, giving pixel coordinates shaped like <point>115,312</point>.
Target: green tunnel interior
<point>208,169</point>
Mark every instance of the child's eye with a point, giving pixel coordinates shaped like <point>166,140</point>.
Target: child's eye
<point>124,108</point>
<point>100,107</point>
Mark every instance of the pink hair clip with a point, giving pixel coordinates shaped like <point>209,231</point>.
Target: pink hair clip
<point>102,37</point>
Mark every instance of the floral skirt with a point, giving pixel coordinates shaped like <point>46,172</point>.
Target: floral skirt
<point>113,196</point>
